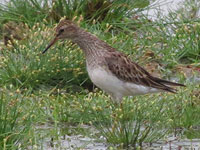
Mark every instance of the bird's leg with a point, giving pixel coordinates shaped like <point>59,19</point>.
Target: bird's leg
<point>117,99</point>
<point>121,105</point>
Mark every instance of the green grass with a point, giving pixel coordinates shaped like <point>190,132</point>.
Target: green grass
<point>54,89</point>
<point>15,119</point>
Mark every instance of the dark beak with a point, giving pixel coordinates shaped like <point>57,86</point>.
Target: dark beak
<point>50,44</point>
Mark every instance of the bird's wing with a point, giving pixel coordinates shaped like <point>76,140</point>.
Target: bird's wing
<point>122,67</point>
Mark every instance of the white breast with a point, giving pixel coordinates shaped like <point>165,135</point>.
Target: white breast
<point>106,81</point>
<point>116,87</point>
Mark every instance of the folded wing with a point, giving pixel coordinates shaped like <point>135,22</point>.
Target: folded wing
<point>122,67</point>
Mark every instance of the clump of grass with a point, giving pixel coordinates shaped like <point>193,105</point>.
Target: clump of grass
<point>31,11</point>
<point>132,123</point>
<point>24,66</point>
<point>15,124</point>
<point>182,111</point>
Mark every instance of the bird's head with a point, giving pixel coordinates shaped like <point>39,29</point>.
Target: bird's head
<point>65,30</point>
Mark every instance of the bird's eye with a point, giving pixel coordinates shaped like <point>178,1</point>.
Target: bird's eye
<point>61,30</point>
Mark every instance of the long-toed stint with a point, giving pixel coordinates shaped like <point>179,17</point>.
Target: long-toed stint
<point>109,69</point>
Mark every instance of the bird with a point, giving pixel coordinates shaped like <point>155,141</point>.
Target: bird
<point>109,69</point>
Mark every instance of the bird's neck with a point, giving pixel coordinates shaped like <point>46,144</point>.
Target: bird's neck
<point>89,43</point>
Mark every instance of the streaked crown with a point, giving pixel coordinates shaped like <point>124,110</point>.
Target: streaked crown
<point>66,29</point>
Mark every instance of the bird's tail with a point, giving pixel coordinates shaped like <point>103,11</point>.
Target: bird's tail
<point>166,85</point>
<point>168,82</point>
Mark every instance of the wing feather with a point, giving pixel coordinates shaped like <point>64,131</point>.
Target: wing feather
<point>122,67</point>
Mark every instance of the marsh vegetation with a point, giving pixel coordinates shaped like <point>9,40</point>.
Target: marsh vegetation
<point>49,98</point>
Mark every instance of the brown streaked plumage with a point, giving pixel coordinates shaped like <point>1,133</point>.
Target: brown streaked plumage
<point>109,69</point>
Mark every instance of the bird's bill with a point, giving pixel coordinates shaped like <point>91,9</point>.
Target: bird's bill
<point>50,44</point>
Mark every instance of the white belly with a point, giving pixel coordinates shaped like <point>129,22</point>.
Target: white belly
<point>116,87</point>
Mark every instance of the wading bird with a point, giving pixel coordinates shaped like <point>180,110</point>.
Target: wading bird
<point>109,69</point>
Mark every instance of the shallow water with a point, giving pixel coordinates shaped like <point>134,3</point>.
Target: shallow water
<point>75,142</point>
<point>72,142</point>
<point>174,143</point>
<point>49,139</point>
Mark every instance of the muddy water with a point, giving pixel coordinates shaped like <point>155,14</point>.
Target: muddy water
<point>79,142</point>
<point>174,143</point>
<point>73,142</point>
<point>50,137</point>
